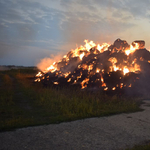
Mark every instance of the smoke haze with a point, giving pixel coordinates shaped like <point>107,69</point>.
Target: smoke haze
<point>46,62</point>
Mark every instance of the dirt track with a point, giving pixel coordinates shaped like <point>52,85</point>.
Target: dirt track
<point>105,133</point>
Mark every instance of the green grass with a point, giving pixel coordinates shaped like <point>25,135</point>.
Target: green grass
<point>145,146</point>
<point>24,103</point>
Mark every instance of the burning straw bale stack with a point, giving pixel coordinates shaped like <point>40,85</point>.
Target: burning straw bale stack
<point>118,67</point>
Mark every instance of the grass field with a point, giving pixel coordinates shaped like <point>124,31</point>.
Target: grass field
<point>24,103</point>
<point>145,146</point>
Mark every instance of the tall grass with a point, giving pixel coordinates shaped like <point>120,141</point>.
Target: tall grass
<point>145,146</point>
<point>31,104</point>
<point>7,93</point>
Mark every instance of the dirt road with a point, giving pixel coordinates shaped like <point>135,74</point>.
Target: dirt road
<point>105,133</point>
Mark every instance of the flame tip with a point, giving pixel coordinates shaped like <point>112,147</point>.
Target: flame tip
<point>96,65</point>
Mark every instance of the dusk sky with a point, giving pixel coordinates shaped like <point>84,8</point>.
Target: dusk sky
<point>31,30</point>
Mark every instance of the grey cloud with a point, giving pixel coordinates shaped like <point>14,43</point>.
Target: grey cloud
<point>21,11</point>
<point>15,32</point>
<point>6,48</point>
<point>66,3</point>
<point>11,14</point>
<point>71,6</point>
<point>93,27</point>
<point>137,8</point>
<point>32,23</point>
<point>109,3</point>
<point>16,27</point>
<point>76,30</point>
<point>22,17</point>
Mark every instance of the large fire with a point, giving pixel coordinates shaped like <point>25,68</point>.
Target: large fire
<point>105,66</point>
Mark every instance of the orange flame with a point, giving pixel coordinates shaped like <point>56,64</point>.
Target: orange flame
<point>84,51</point>
<point>83,83</point>
<point>132,49</point>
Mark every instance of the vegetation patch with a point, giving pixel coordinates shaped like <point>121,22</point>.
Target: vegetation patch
<point>145,146</point>
<point>25,103</point>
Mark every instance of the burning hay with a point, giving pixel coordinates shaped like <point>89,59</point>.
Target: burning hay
<point>117,67</point>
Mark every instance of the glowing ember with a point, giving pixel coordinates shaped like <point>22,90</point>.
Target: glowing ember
<point>125,70</point>
<point>130,85</point>
<point>105,66</point>
<point>56,83</point>
<point>132,49</point>
<point>106,88</point>
<point>83,83</point>
<point>113,88</point>
<point>81,56</point>
<point>97,70</point>
<point>39,74</point>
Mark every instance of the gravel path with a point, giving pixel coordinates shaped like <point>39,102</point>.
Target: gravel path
<point>105,133</point>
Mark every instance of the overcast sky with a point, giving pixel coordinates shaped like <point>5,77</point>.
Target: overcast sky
<point>33,29</point>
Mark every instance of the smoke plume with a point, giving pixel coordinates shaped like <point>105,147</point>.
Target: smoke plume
<point>45,62</point>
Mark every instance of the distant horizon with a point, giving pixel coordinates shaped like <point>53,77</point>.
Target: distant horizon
<point>15,66</point>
